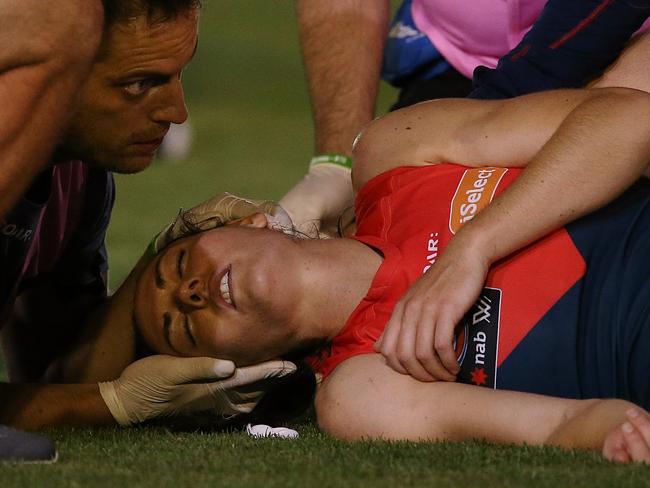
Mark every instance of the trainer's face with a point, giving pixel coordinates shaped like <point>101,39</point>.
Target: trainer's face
<point>133,93</point>
<point>230,293</point>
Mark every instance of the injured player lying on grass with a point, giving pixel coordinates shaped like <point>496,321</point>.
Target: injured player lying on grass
<point>556,350</point>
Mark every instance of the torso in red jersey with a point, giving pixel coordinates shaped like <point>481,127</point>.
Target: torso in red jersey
<point>410,214</point>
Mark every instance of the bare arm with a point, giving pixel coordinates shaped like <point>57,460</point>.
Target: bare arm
<point>108,344</point>
<point>364,398</point>
<point>595,154</point>
<point>32,406</point>
<point>42,65</point>
<point>507,133</point>
<point>342,45</point>
<point>43,331</point>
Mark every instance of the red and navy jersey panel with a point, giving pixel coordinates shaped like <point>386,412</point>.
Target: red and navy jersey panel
<point>528,330</point>
<point>595,341</point>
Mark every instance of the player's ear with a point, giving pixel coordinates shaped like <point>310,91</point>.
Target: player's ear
<point>257,220</point>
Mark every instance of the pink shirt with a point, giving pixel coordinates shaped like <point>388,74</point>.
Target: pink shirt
<point>472,33</point>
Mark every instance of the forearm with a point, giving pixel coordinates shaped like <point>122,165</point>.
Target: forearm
<point>595,154</point>
<point>588,422</point>
<point>364,398</point>
<point>342,45</point>
<point>108,344</point>
<point>40,73</point>
<point>33,406</point>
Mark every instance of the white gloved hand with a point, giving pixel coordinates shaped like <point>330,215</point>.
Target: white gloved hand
<point>215,212</point>
<point>159,386</point>
<point>317,201</point>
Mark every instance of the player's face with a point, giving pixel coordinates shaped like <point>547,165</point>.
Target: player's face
<point>229,293</point>
<point>133,93</point>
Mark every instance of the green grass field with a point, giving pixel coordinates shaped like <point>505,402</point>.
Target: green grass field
<point>159,458</point>
<point>250,112</point>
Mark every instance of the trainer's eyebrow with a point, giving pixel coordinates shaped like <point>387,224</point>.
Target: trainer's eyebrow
<point>167,322</point>
<point>160,282</point>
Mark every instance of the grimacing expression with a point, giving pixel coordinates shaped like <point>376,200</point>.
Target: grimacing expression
<point>228,293</point>
<point>133,93</point>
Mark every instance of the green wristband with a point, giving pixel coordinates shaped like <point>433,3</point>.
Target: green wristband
<point>331,158</point>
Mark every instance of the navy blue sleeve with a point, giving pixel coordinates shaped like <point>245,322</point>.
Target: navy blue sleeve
<point>570,43</point>
<point>84,267</point>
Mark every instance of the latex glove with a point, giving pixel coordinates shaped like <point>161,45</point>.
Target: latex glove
<point>630,441</point>
<point>166,385</point>
<point>318,200</point>
<point>215,212</point>
<point>418,339</point>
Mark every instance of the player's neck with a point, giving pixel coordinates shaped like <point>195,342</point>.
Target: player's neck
<point>338,276</point>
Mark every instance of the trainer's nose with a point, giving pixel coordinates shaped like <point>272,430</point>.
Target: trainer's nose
<point>192,293</point>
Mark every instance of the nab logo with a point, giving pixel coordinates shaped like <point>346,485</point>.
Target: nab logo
<point>475,190</point>
<point>477,343</point>
<point>483,306</point>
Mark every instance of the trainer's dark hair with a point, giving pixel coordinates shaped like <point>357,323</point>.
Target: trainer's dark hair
<point>288,398</point>
<point>291,396</point>
<point>116,11</point>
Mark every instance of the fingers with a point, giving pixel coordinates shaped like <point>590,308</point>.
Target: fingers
<point>406,349</point>
<point>258,372</point>
<point>636,433</point>
<point>641,420</point>
<point>239,402</point>
<point>278,219</point>
<point>427,355</point>
<point>387,345</point>
<point>269,369</point>
<point>419,336</point>
<point>444,342</point>
<point>174,370</point>
<point>202,369</point>
<point>213,213</point>
<point>241,393</point>
<point>617,453</point>
<point>408,343</point>
<point>620,456</point>
<point>614,447</point>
